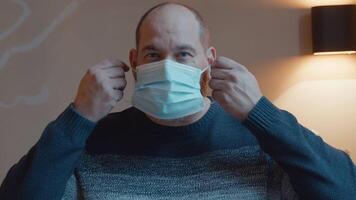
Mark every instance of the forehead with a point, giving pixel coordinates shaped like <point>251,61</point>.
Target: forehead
<point>170,26</point>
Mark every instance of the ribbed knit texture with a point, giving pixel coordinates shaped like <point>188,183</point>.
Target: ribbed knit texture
<point>127,156</point>
<point>223,174</point>
<point>213,158</point>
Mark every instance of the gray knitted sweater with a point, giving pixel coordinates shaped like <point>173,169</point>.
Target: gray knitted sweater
<point>127,156</point>
<point>223,174</point>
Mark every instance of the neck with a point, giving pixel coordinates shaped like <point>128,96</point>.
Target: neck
<point>184,120</point>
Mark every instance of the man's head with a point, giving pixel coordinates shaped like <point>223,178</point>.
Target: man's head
<point>173,31</point>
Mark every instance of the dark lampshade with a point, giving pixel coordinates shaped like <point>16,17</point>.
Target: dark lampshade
<point>334,29</point>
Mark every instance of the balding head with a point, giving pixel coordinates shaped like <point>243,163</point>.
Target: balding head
<point>173,31</point>
<point>164,9</point>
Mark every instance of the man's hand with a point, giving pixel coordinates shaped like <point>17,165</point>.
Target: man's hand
<point>234,87</point>
<point>100,89</point>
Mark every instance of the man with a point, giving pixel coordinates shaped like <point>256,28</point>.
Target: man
<point>176,143</point>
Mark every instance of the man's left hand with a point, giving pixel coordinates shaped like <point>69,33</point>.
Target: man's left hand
<point>234,87</point>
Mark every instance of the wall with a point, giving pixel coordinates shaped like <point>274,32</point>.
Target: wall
<point>46,47</point>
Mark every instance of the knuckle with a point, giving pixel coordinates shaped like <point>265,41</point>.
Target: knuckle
<point>230,87</point>
<point>107,90</point>
<point>224,97</point>
<point>98,78</point>
<point>124,82</point>
<point>118,96</point>
<point>233,77</point>
<point>91,71</point>
<point>220,58</point>
<point>120,93</point>
<point>115,61</point>
<point>218,61</point>
<point>120,71</point>
<point>213,71</point>
<point>211,84</point>
<point>121,83</point>
<point>220,96</point>
<point>223,59</point>
<point>215,94</point>
<point>214,84</point>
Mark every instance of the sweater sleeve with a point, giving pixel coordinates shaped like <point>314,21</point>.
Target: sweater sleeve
<point>44,171</point>
<point>316,170</point>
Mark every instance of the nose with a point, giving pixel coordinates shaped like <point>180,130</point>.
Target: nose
<point>168,56</point>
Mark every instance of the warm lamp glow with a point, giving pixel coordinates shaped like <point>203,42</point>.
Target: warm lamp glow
<point>311,3</point>
<point>321,93</point>
<point>334,53</point>
<point>325,106</point>
<point>325,68</point>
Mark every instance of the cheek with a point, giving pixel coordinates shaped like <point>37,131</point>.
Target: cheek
<point>201,62</point>
<point>140,59</point>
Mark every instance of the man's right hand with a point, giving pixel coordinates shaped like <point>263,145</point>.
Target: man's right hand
<point>100,89</point>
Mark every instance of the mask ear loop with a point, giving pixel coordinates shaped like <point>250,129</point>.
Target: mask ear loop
<point>206,68</point>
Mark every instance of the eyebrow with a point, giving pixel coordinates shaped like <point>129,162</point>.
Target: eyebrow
<point>185,47</point>
<point>182,47</point>
<point>149,48</point>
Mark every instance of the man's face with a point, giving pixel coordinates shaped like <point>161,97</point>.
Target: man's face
<point>172,32</point>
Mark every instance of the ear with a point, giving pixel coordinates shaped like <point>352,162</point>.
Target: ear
<point>211,55</point>
<point>133,61</point>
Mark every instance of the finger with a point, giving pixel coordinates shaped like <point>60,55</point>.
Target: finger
<point>115,72</point>
<point>227,63</point>
<point>109,63</point>
<point>122,64</point>
<point>216,94</point>
<point>103,64</point>
<point>219,95</point>
<point>223,63</point>
<point>222,74</point>
<point>118,84</point>
<point>125,67</point>
<point>118,94</point>
<point>217,84</point>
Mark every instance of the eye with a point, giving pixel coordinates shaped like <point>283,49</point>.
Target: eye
<point>184,54</point>
<point>152,55</point>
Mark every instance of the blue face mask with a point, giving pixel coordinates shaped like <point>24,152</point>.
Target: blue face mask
<point>168,89</point>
